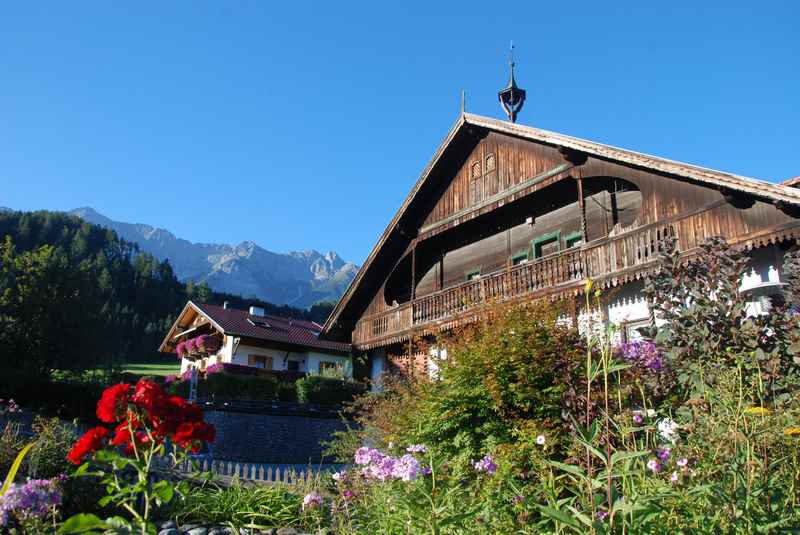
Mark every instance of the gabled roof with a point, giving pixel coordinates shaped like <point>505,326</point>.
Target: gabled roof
<point>719,179</point>
<point>235,322</point>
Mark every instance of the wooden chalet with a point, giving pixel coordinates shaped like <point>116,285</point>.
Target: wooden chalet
<point>510,212</point>
<point>229,336</point>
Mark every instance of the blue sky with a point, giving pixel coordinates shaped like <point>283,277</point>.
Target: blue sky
<point>301,125</point>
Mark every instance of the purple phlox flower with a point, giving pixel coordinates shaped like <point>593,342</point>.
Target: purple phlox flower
<point>406,468</point>
<point>602,515</point>
<point>654,466</point>
<point>417,448</point>
<point>638,419</point>
<point>663,454</point>
<point>486,465</point>
<point>519,498</point>
<point>348,494</point>
<point>642,353</point>
<point>36,498</point>
<point>365,456</point>
<point>170,378</point>
<point>427,471</point>
<point>312,500</point>
<point>674,477</point>
<point>540,440</point>
<point>683,462</point>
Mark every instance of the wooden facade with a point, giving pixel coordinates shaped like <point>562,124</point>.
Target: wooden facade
<point>508,212</point>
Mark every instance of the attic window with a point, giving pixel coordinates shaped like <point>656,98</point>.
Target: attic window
<point>490,164</point>
<point>476,170</point>
<point>259,323</point>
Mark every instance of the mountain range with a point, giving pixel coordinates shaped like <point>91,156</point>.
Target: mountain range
<point>298,279</point>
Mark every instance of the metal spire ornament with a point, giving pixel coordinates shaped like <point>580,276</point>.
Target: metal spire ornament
<point>512,97</point>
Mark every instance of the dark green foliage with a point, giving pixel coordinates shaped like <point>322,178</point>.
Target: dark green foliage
<point>327,390</point>
<point>65,399</point>
<point>707,325</point>
<point>74,296</point>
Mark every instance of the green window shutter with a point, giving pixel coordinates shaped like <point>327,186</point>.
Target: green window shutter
<point>545,239</point>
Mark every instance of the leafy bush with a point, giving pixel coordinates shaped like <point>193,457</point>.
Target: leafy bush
<point>502,383</point>
<point>66,400</point>
<point>327,390</point>
<point>229,386</point>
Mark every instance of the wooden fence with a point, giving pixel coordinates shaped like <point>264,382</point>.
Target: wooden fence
<point>267,474</point>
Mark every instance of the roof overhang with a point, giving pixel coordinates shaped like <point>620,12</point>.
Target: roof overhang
<point>175,332</point>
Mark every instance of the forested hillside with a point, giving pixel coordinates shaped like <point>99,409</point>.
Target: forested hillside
<point>74,295</point>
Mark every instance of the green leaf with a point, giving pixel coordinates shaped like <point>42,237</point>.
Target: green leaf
<point>569,468</point>
<point>163,491</point>
<point>82,523</point>
<point>12,472</point>
<point>623,455</point>
<point>560,516</point>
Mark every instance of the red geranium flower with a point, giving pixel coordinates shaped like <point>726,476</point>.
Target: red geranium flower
<point>113,403</point>
<point>174,412</point>
<point>122,435</point>
<point>89,443</point>
<point>149,396</point>
<point>190,434</point>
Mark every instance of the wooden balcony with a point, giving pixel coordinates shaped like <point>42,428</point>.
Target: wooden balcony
<point>611,257</point>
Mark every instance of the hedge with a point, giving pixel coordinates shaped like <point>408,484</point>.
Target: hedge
<point>327,390</point>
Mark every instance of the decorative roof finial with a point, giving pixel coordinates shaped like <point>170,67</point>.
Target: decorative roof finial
<point>512,97</point>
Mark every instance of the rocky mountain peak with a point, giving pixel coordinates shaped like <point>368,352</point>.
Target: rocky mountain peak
<point>298,278</point>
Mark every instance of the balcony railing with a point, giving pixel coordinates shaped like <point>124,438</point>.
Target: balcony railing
<point>601,259</point>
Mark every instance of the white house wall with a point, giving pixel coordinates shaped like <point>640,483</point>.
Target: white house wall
<point>308,362</point>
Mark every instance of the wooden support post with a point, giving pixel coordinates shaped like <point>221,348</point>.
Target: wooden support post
<point>581,204</point>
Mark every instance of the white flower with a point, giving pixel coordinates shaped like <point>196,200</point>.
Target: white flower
<point>540,440</point>
<point>674,477</point>
<point>337,476</point>
<point>668,430</point>
<point>682,462</point>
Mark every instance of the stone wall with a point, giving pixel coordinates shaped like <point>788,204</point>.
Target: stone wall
<point>270,438</point>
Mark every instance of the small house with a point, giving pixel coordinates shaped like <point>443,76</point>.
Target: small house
<point>206,335</point>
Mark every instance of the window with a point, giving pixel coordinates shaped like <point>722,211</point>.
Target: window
<point>519,258</point>
<point>490,164</point>
<point>573,240</point>
<point>260,361</point>
<point>330,367</point>
<point>547,244</point>
<point>475,183</point>
<point>472,275</point>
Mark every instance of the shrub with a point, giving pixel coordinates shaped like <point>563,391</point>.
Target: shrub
<point>502,382</point>
<point>327,390</point>
<point>66,400</point>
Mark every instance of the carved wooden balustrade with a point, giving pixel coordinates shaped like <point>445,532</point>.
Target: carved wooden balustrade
<point>610,257</point>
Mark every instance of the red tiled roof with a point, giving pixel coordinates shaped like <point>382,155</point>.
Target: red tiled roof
<point>286,330</point>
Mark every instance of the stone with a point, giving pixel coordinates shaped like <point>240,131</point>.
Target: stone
<point>169,531</point>
<point>168,524</point>
<point>222,530</point>
<point>287,531</point>
<point>200,530</point>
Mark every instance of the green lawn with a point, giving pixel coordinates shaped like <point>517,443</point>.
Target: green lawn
<point>142,368</point>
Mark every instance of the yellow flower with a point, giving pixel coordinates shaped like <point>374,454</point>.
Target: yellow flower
<point>792,431</point>
<point>757,411</point>
<point>589,283</point>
